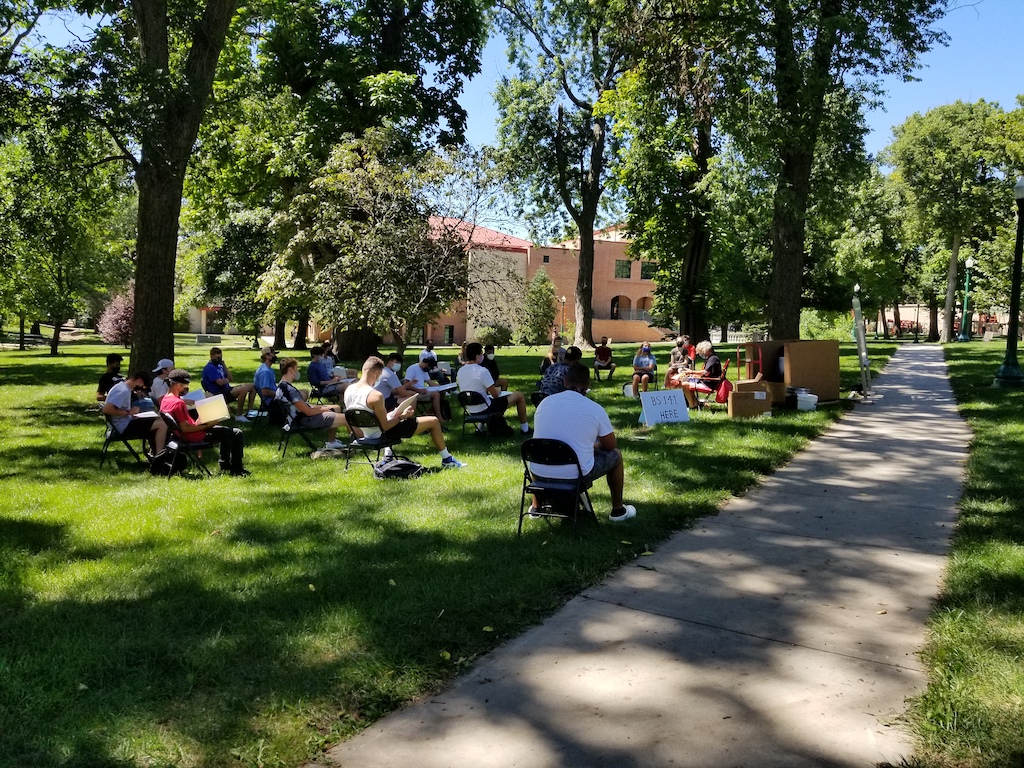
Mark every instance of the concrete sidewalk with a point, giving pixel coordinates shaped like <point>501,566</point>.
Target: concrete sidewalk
<point>780,633</point>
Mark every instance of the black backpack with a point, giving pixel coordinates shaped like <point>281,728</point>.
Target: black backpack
<point>497,426</point>
<point>397,467</point>
<point>277,413</point>
<point>168,462</point>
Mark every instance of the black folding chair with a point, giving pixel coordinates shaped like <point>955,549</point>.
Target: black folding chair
<point>558,499</point>
<point>357,417</point>
<point>113,436</point>
<point>179,446</point>
<point>536,396</point>
<point>467,399</point>
<point>289,426</point>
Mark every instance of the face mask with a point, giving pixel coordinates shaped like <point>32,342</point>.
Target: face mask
<point>490,356</point>
<point>297,375</point>
<point>646,350</point>
<point>395,366</point>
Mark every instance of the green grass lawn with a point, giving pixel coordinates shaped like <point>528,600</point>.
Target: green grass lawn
<point>972,713</point>
<point>252,621</point>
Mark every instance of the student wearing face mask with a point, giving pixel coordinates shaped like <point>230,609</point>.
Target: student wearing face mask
<point>217,380</point>
<point>307,416</point>
<point>473,377</point>
<point>321,375</point>
<point>492,368</point>
<point>645,368</point>
<point>697,380</point>
<point>390,385</point>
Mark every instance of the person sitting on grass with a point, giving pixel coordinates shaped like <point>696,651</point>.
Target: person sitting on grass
<point>473,377</point>
<point>111,377</point>
<point>645,368</point>
<point>304,415</point>
<point>575,419</point>
<point>230,439</point>
<point>603,359</point>
<point>217,381</point>
<point>696,381</point>
<point>364,396</point>
<point>123,412</point>
<point>553,381</point>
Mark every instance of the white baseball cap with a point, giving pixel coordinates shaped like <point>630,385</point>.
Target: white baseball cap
<point>165,363</point>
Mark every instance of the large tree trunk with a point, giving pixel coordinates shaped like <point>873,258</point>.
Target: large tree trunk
<point>301,329</point>
<point>160,189</point>
<point>788,231</point>
<point>954,262</point>
<point>55,339</point>
<point>170,125</point>
<point>897,321</point>
<point>280,341</point>
<point>933,318</point>
<point>584,314</point>
<point>356,344</point>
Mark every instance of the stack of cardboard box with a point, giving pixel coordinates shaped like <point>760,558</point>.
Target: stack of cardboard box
<point>749,398</point>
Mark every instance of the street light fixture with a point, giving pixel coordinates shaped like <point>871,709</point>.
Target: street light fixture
<point>1009,375</point>
<point>563,315</point>
<point>965,318</point>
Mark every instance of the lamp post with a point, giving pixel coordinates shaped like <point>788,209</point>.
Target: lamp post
<point>1008,375</point>
<point>563,315</point>
<point>965,319</point>
<point>917,322</point>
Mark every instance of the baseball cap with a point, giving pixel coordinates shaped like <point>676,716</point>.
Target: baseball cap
<point>165,363</point>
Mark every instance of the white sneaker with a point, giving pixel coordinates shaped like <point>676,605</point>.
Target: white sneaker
<point>334,445</point>
<point>451,463</point>
<point>628,512</point>
<point>242,419</point>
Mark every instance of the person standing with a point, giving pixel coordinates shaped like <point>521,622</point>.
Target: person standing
<point>575,419</point>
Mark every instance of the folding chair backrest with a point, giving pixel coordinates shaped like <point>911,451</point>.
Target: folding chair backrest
<point>357,417</point>
<point>470,397</point>
<point>549,452</point>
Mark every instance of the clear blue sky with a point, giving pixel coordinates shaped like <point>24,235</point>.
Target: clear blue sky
<point>982,61</point>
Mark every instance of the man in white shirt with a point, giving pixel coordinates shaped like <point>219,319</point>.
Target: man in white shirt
<point>575,419</point>
<point>473,377</point>
<point>417,379</point>
<point>123,414</point>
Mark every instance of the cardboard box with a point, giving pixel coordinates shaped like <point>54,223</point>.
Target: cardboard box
<point>746,404</point>
<point>813,365</point>
<point>750,385</point>
<point>776,391</point>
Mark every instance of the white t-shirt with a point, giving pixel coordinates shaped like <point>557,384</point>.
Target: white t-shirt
<point>417,376</point>
<point>159,388</point>
<point>427,353</point>
<point>475,378</point>
<point>387,383</point>
<point>574,419</point>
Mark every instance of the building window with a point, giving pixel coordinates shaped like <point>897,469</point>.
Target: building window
<point>648,269</point>
<point>547,258</point>
<point>623,268</point>
<point>449,334</point>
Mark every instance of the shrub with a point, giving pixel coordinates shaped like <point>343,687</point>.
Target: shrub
<point>117,321</point>
<point>498,335</point>
<point>817,324</point>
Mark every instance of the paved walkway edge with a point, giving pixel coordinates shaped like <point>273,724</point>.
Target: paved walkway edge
<point>782,632</point>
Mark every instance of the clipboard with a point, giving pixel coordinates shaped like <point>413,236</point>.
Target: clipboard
<point>407,403</point>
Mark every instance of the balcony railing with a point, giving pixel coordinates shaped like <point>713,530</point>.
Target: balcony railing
<point>624,314</point>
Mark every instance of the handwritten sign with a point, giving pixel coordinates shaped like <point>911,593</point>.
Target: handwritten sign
<point>663,407</point>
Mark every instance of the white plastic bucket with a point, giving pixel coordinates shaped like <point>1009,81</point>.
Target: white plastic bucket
<point>627,389</point>
<point>806,402</point>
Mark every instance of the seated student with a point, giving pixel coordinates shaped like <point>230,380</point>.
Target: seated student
<point>555,354</point>
<point>417,379</point>
<point>321,374</point>
<point>491,364</point>
<point>217,381</point>
<point>603,359</point>
<point>712,370</point>
<point>645,368</point>
<point>473,377</point>
<point>575,419</point>
<point>462,353</point>
<point>680,361</point>
<point>159,387</point>
<point>389,385</point>
<point>230,439</point>
<point>264,380</point>
<point>437,374</point>
<point>304,415</point>
<point>363,395</point>
<point>553,381</point>
<point>111,377</point>
<point>123,412</point>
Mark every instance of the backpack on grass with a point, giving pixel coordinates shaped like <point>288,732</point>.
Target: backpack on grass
<point>497,426</point>
<point>168,463</point>
<point>398,467</point>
